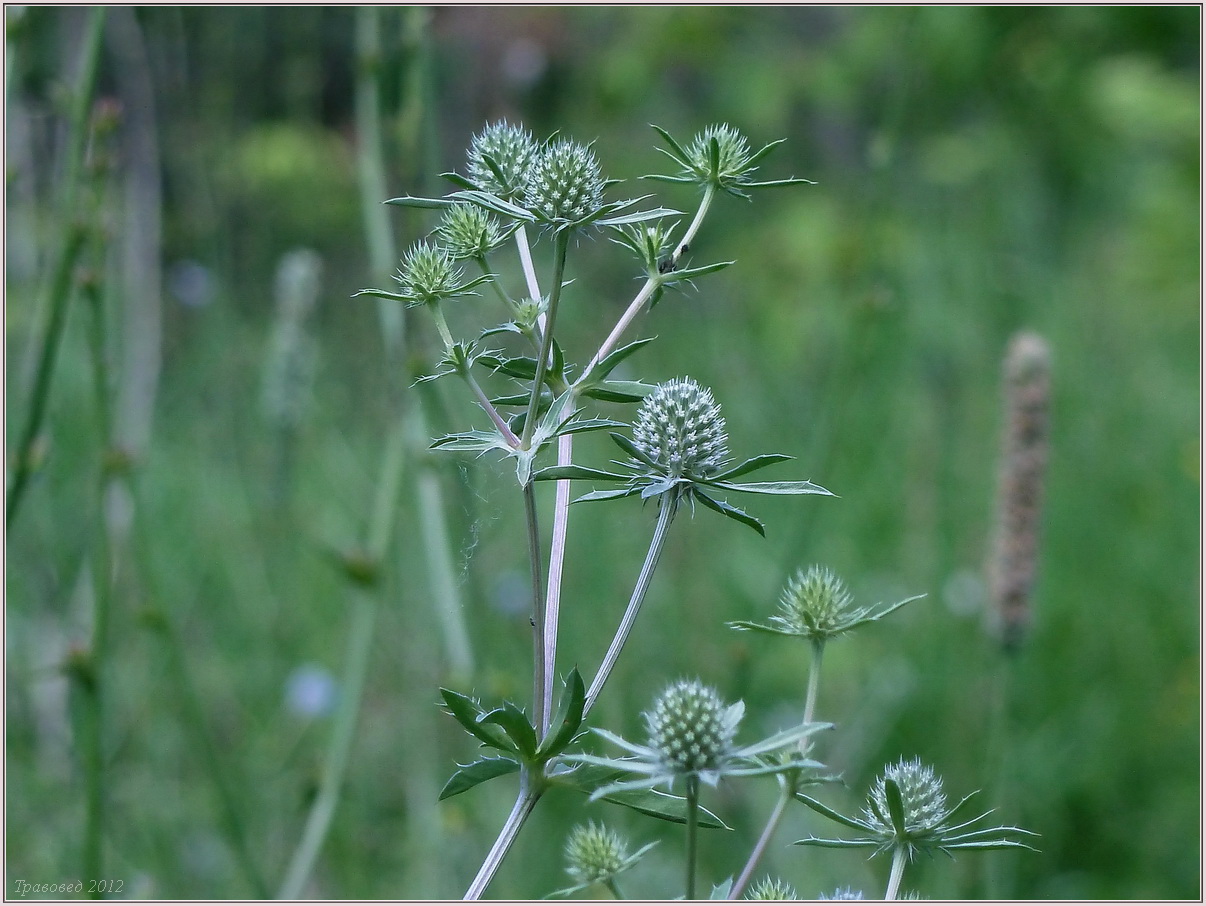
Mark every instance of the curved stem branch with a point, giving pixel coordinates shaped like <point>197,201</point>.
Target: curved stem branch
<point>669,504</point>
<point>560,247</point>
<point>524,803</point>
<point>772,825</point>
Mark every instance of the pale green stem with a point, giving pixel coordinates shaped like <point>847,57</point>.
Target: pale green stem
<point>364,618</point>
<point>484,401</point>
<point>814,681</point>
<point>612,886</point>
<point>772,824</point>
<point>540,716</point>
<point>668,507</point>
<point>510,830</point>
<point>525,259</point>
<point>560,247</point>
<point>506,300</point>
<point>651,284</point>
<point>692,834</point>
<point>552,605</point>
<point>900,857</point>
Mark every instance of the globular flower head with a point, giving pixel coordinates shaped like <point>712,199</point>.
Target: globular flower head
<point>427,275</point>
<point>920,792</point>
<point>565,183</point>
<point>593,853</point>
<point>691,727</point>
<point>843,893</point>
<point>512,150</point>
<point>732,164</point>
<point>772,889</point>
<point>680,428</point>
<point>815,603</point>
<point>468,231</point>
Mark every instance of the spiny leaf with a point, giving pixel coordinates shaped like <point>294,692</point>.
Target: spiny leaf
<point>470,775</point>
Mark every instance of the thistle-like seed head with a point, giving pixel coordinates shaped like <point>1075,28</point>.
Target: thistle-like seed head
<point>734,154</point>
<point>920,793</point>
<point>680,428</point>
<point>691,727</point>
<point>593,852</point>
<point>772,889</point>
<point>814,602</point>
<point>512,150</point>
<point>468,231</point>
<point>427,274</point>
<point>565,182</point>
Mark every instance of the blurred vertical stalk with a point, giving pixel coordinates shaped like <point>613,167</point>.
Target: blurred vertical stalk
<point>58,293</point>
<point>408,430</point>
<point>1013,556</point>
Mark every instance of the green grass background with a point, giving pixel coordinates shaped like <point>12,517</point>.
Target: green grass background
<point>979,171</point>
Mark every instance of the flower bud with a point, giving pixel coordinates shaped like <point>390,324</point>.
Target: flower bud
<point>679,427</point>
<point>565,183</point>
<point>428,275</point>
<point>772,889</point>
<point>734,155</point>
<point>920,793</point>
<point>468,231</point>
<point>690,727</point>
<point>512,150</point>
<point>594,853</point>
<point>814,603</point>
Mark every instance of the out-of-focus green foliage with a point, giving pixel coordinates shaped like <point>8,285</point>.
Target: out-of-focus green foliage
<point>979,170</point>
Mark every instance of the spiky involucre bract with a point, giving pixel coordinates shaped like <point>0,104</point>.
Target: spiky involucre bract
<point>680,428</point>
<point>565,183</point>
<point>512,149</point>
<point>593,852</point>
<point>772,889</point>
<point>690,727</point>
<point>814,602</point>
<point>920,792</point>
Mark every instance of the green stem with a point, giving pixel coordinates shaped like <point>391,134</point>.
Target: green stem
<point>228,803</point>
<point>651,284</point>
<point>900,857</point>
<point>560,247</point>
<point>360,638</point>
<point>552,604</point>
<point>525,259</point>
<point>692,833</point>
<point>668,505</point>
<point>612,886</point>
<point>539,714</point>
<point>772,824</point>
<point>524,803</point>
<point>814,681</point>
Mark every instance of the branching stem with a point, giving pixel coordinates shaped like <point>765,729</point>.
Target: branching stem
<point>524,803</point>
<point>560,247</point>
<point>900,857</point>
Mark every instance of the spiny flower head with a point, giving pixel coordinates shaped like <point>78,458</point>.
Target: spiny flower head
<point>565,183</point>
<point>512,149</point>
<point>680,428</point>
<point>468,231</point>
<point>734,158</point>
<point>772,889</point>
<point>428,275</point>
<point>593,853</point>
<point>814,603</point>
<point>920,793</point>
<point>843,893</point>
<point>691,727</point>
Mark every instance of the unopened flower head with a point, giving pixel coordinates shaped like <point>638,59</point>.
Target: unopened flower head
<point>772,889</point>
<point>565,183</point>
<point>691,727</point>
<point>843,893</point>
<point>680,428</point>
<point>920,793</point>
<point>733,160</point>
<point>428,275</point>
<point>814,603</point>
<point>468,231</point>
<point>512,149</point>
<point>593,852</point>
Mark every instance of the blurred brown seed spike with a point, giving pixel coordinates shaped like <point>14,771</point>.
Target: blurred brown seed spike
<point>1014,555</point>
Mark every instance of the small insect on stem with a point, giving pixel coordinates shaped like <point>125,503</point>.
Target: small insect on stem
<point>669,264</point>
